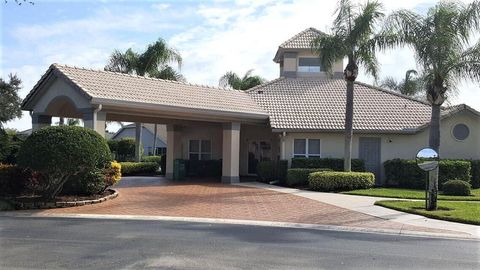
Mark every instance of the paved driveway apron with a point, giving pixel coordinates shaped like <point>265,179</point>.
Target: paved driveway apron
<point>155,196</point>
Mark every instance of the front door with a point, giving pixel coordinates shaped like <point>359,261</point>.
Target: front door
<point>370,153</point>
<point>258,150</point>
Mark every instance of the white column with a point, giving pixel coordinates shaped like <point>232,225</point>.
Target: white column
<point>40,120</point>
<point>138,142</point>
<point>231,153</point>
<point>174,149</point>
<point>94,119</point>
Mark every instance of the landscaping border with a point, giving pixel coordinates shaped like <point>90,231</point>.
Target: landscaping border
<point>48,205</point>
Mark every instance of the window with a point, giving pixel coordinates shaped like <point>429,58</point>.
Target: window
<point>309,65</point>
<point>461,132</point>
<point>200,150</point>
<point>309,148</point>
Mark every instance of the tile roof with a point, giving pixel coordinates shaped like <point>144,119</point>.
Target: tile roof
<point>105,85</point>
<point>313,104</point>
<point>302,40</point>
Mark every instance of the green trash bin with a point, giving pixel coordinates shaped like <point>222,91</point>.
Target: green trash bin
<point>179,169</point>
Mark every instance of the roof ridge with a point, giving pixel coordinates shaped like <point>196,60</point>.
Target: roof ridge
<point>59,66</point>
<point>264,84</point>
<point>392,92</point>
<point>299,34</point>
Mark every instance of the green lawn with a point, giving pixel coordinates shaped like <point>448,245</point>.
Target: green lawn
<point>404,193</point>
<point>463,212</point>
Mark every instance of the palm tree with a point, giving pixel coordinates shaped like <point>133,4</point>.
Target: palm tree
<point>351,37</point>
<point>231,79</point>
<point>440,40</point>
<point>153,62</point>
<point>410,86</point>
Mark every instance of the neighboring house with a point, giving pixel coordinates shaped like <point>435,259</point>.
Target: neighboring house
<point>128,131</point>
<point>300,114</point>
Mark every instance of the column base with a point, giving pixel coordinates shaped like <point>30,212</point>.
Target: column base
<point>169,176</point>
<point>230,179</point>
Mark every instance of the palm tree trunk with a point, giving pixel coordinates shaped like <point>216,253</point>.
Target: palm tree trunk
<point>348,127</point>
<point>434,143</point>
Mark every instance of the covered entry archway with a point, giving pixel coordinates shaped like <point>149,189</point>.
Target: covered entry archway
<point>186,109</point>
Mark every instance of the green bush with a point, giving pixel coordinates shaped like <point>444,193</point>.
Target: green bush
<point>271,170</point>
<point>60,152</point>
<point>10,143</point>
<point>157,159</point>
<point>406,174</point>
<point>204,168</point>
<point>87,183</point>
<point>335,164</point>
<point>12,179</point>
<point>475,174</point>
<point>123,149</point>
<point>456,188</point>
<point>299,176</point>
<point>139,168</point>
<point>340,181</point>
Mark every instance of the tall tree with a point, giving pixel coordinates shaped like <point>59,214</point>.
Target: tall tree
<point>409,86</point>
<point>441,41</point>
<point>10,102</point>
<point>352,38</point>
<point>153,62</point>
<point>231,79</point>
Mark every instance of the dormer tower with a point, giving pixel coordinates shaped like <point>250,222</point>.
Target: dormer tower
<point>296,59</point>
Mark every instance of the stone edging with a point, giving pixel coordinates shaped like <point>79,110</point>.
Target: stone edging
<point>47,205</point>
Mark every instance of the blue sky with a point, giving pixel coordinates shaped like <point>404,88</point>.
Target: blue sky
<point>212,36</point>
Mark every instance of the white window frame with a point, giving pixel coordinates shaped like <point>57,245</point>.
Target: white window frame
<point>307,154</point>
<point>200,150</point>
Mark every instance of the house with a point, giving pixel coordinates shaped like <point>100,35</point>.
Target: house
<point>300,114</point>
<point>148,133</point>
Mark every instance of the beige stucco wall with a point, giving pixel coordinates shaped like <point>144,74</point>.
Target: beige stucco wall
<point>401,146</point>
<point>291,64</point>
<point>60,88</point>
<point>204,131</point>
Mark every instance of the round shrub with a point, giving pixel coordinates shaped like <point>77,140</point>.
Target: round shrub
<point>340,181</point>
<point>299,176</point>
<point>87,183</point>
<point>63,151</point>
<point>113,174</point>
<point>456,188</point>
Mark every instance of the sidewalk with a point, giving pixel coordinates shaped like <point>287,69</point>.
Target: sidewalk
<point>365,205</point>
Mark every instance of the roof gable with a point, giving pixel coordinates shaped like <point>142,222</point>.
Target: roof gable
<point>301,41</point>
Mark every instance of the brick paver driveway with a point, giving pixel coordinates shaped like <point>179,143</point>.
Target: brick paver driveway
<point>158,197</point>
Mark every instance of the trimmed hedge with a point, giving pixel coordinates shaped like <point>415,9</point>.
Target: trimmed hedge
<point>123,149</point>
<point>139,168</point>
<point>271,170</point>
<point>204,168</point>
<point>475,174</point>
<point>161,160</point>
<point>335,164</point>
<point>340,181</point>
<point>456,188</point>
<point>406,174</point>
<point>299,176</point>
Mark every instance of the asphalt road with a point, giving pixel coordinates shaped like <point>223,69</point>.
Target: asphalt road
<point>50,243</point>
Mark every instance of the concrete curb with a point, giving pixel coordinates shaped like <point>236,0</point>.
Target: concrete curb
<point>318,227</point>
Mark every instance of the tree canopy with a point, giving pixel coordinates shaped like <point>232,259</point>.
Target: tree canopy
<point>233,80</point>
<point>409,86</point>
<point>10,102</point>
<point>153,62</point>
